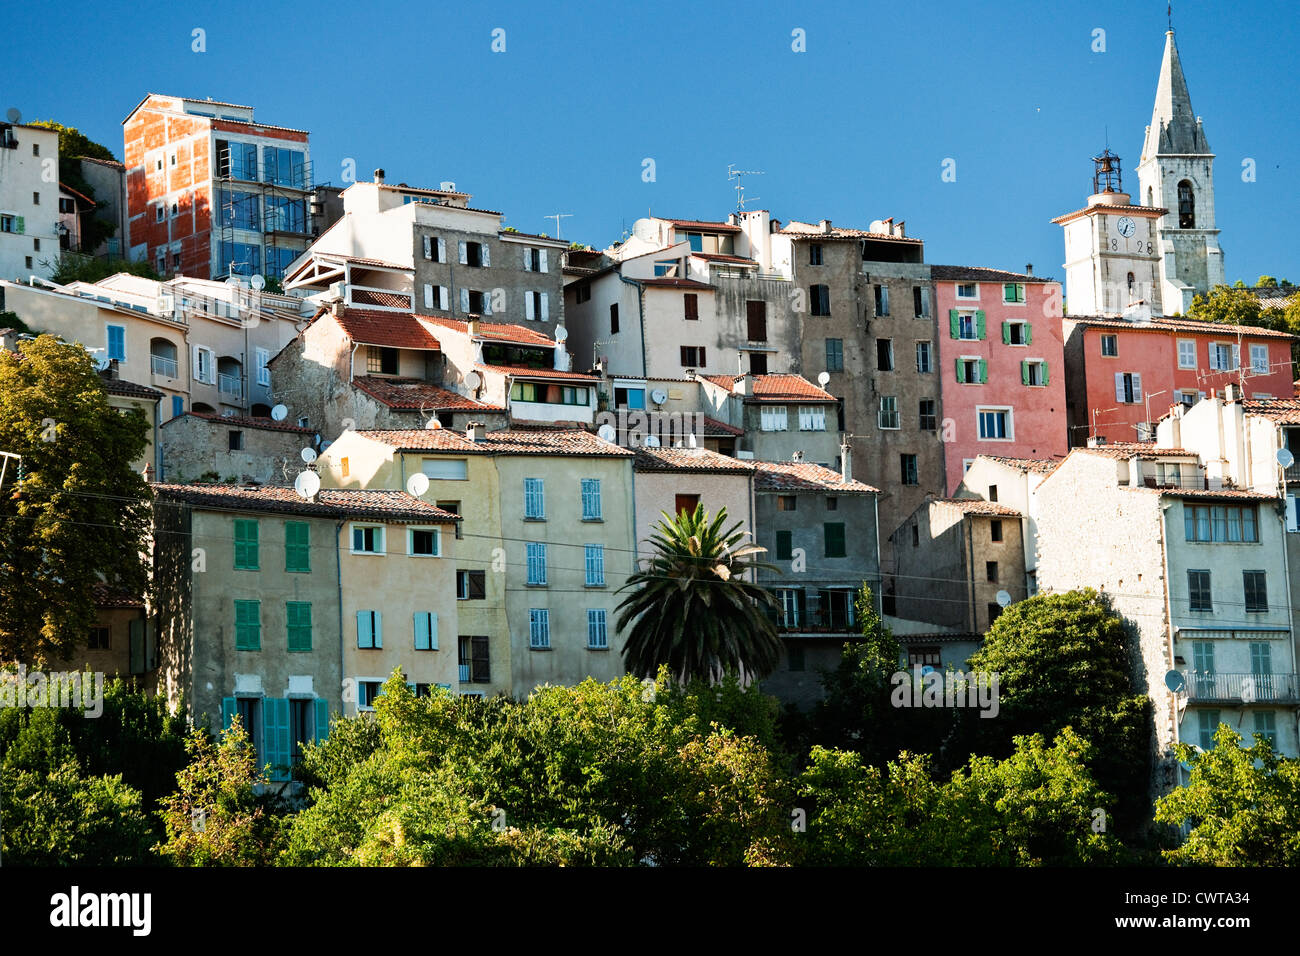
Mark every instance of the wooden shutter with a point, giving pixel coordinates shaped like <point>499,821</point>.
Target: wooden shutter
<point>528,260</point>
<point>442,250</point>
<point>321,718</point>
<point>428,247</point>
<point>1024,373</point>
<point>984,371</point>
<point>485,255</point>
<point>1119,386</point>
<point>1006,333</point>
<point>691,304</point>
<point>365,630</point>
<point>464,300</point>
<point>703,360</point>
<point>979,324</point>
<point>961,372</point>
<point>542,256</point>
<point>464,254</point>
<point>277,745</point>
<point>529,309</point>
<point>1137,387</point>
<point>428,296</point>
<point>1029,333</point>
<point>546,309</point>
<point>227,712</point>
<point>954,323</point>
<point>422,630</point>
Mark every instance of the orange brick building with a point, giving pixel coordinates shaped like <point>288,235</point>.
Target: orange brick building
<point>210,193</point>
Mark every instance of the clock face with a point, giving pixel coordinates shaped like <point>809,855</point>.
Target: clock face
<point>1126,227</point>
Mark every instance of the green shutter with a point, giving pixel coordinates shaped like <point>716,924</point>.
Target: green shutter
<point>784,545</point>
<point>245,545</point>
<point>22,224</point>
<point>961,372</point>
<point>277,747</point>
<point>1024,373</point>
<point>1006,333</point>
<point>298,618</point>
<point>954,323</point>
<point>834,535</point>
<point>1046,377</point>
<point>984,370</point>
<point>297,546</point>
<point>322,718</point>
<point>979,324</point>
<point>227,712</point>
<point>1029,333</point>
<point>248,625</point>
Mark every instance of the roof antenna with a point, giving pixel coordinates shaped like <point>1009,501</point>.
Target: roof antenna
<point>1169,12</point>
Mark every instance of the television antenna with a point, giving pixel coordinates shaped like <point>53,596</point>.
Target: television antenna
<point>557,216</point>
<point>739,175</point>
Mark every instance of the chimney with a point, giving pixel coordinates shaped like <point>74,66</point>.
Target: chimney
<point>476,431</point>
<point>1230,393</point>
<point>379,177</point>
<point>1029,268</point>
<point>846,463</point>
<point>471,325</point>
<point>741,385</point>
<point>337,308</point>
<point>901,230</point>
<point>824,226</point>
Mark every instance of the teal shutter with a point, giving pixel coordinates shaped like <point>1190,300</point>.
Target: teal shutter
<point>227,712</point>
<point>954,323</point>
<point>1046,377</point>
<point>321,718</point>
<point>1029,333</point>
<point>1024,373</point>
<point>379,629</point>
<point>1006,333</point>
<point>298,620</point>
<point>277,746</point>
<point>246,545</point>
<point>297,546</point>
<point>961,372</point>
<point>979,324</point>
<point>365,632</point>
<point>22,224</point>
<point>784,545</point>
<point>433,631</point>
<point>984,370</point>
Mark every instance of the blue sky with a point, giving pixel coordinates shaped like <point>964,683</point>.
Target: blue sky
<point>854,129</point>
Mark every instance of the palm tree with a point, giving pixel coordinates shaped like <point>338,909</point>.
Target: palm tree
<point>691,607</point>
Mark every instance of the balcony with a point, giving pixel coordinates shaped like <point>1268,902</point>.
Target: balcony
<point>1204,688</point>
<point>163,366</point>
<point>230,384</point>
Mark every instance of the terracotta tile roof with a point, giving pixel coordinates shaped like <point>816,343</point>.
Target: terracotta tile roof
<point>1284,411</point>
<point>523,371</point>
<point>508,234</point>
<point>219,122</point>
<point>330,502</point>
<point>240,421</point>
<point>690,460</point>
<point>810,230</point>
<point>117,386</point>
<point>719,257</point>
<point>774,388</point>
<point>362,261</point>
<point>414,394</point>
<point>981,274</point>
<point>400,330</point>
<point>106,597</point>
<point>1271,297</point>
<point>495,331</point>
<point>801,476</point>
<point>1237,493</point>
<point>1126,450</point>
<point>391,300</point>
<point>102,162</point>
<point>978,506</point>
<point>1119,210</point>
<point>86,199</point>
<point>702,225</point>
<point>205,102</point>
<point>397,187</point>
<point>1164,324</point>
<point>716,429</point>
<point>1039,466</point>
<point>663,282</point>
<point>516,441</point>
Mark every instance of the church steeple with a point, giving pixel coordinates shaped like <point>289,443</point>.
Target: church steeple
<point>1174,127</point>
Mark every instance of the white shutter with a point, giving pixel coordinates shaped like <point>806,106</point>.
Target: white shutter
<point>528,260</point>
<point>443,299</point>
<point>546,309</point>
<point>528,306</point>
<point>487,302</point>
<point>194,365</point>
<point>1292,514</point>
<point>464,257</point>
<point>428,247</point>
<point>1137,387</point>
<point>485,256</point>
<point>542,256</point>
<point>464,295</point>
<point>1236,356</point>
<point>428,296</point>
<point>442,250</point>
<point>1119,386</point>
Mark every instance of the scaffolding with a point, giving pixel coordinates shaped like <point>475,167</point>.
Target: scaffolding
<point>263,197</point>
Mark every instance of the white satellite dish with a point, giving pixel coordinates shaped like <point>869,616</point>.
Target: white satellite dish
<point>1003,598</point>
<point>561,333</point>
<point>417,484</point>
<point>645,230</point>
<point>433,424</point>
<point>1285,458</point>
<point>308,455</point>
<point>307,484</point>
<point>279,413</point>
<point>823,378</point>
<point>658,396</point>
<point>473,379</point>
<point>607,432</point>
<point>234,280</point>
<point>651,441</point>
<point>14,115</point>
<point>258,283</point>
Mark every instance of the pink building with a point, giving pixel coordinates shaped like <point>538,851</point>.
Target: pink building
<point>1001,366</point>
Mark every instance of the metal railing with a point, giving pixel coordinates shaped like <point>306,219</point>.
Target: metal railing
<point>162,365</point>
<point>229,384</point>
<point>464,673</point>
<point>1242,688</point>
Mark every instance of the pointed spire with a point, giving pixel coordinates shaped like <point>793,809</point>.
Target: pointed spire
<point>1174,127</point>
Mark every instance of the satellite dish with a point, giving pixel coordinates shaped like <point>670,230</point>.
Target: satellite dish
<point>417,484</point>
<point>433,424</point>
<point>645,230</point>
<point>1003,598</point>
<point>561,333</point>
<point>823,378</point>
<point>607,432</point>
<point>473,379</point>
<point>927,669</point>
<point>307,484</point>
<point>279,413</point>
<point>1285,458</point>
<point>1175,681</point>
<point>234,280</point>
<point>325,444</point>
<point>658,396</point>
<point>15,115</point>
<point>258,283</point>
<point>308,455</point>
<point>651,441</point>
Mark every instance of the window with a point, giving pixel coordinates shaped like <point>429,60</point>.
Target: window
<point>1013,292</point>
<point>756,320</point>
<point>921,302</point>
<point>814,253</point>
<point>1208,723</point>
<point>784,545</point>
<point>1266,725</point>
<point>471,585</point>
<point>117,342</point>
<point>993,492</point>
<point>424,542</point>
<point>537,306</point>
<point>297,546</point>
<point>597,635</point>
<point>991,571</point>
<point>1186,206</point>
<point>966,325</point>
<point>1033,373</point>
<point>812,418</point>
<point>995,424</point>
<point>178,405</point>
<point>613,318</point>
<point>833,536</point>
<point>882,300</point>
<point>594,564</point>
<point>1232,523</point>
<point>1224,357</point>
<point>773,418</point>
<point>927,416</point>
<point>248,625</point>
<point>235,440</point>
<point>297,616</point>
<point>1198,591</point>
<point>382,360</point>
<point>1128,387</point>
<point>692,356</point>
<point>1110,345</point>
<point>539,627</point>
<point>885,355</point>
<point>367,539</point>
<point>370,630</point>
<point>923,657</point>
<point>995,529</point>
<point>474,254</point>
<point>263,372</point>
<point>245,545</point>
<point>972,371</point>
<point>1017,333</point>
<point>1256,588</point>
<point>993,610</point>
<point>834,355</point>
<point>916,535</point>
<point>968,290</point>
<point>820,299</point>
<point>535,260</point>
<point>435,249</point>
<point>159,213</point>
<point>795,658</point>
<point>99,639</point>
<point>536,562</point>
<point>591,509</point>
<point>1259,359</point>
<point>1261,664</point>
<point>687,503</point>
<point>472,654</point>
<point>924,359</point>
<point>368,691</point>
<point>426,631</point>
<point>690,306</point>
<point>787,502</point>
<point>832,503</point>
<point>908,467</point>
<point>629,397</point>
<point>788,599</point>
<point>11,223</point>
<point>534,499</point>
<point>1187,353</point>
<point>887,415</point>
<point>205,363</point>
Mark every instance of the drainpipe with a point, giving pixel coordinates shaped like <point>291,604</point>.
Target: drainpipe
<point>640,305</point>
<point>880,572</point>
<point>970,565</point>
<point>352,358</point>
<point>1169,619</point>
<point>338,569</point>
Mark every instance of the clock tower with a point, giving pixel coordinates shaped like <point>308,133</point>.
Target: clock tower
<point>1112,254</point>
<point>1176,172</point>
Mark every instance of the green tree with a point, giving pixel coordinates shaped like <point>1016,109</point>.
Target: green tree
<point>1266,282</point>
<point>1242,805</point>
<point>81,514</point>
<point>691,607</point>
<point>78,267</point>
<point>1234,305</point>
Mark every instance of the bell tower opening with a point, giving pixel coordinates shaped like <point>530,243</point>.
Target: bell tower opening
<point>1186,206</point>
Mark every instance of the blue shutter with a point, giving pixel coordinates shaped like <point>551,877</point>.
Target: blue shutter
<point>379,629</point>
<point>433,631</point>
<point>178,406</point>
<point>322,718</point>
<point>277,746</point>
<point>227,712</point>
<point>365,633</point>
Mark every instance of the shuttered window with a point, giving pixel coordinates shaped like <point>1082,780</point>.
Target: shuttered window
<point>298,619</point>
<point>246,545</point>
<point>297,546</point>
<point>248,625</point>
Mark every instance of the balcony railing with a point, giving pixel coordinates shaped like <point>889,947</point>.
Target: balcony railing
<point>1293,474</point>
<point>229,384</point>
<point>1242,688</point>
<point>464,673</point>
<point>162,365</point>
